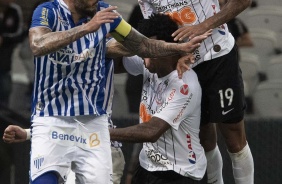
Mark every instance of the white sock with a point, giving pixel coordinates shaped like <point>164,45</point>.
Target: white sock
<point>214,166</point>
<point>243,166</point>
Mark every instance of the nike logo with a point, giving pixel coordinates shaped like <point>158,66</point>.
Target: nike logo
<point>225,112</point>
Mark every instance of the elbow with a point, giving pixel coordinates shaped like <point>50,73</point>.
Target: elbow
<point>36,51</point>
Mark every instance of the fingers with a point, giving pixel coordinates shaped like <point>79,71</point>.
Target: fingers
<point>9,137</point>
<point>179,72</point>
<point>180,34</point>
<point>208,33</point>
<point>105,17</point>
<point>108,14</point>
<point>184,64</point>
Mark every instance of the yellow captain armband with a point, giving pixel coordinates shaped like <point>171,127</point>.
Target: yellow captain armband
<point>121,31</point>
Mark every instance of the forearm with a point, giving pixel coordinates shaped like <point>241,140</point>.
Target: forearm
<point>135,134</point>
<point>144,47</point>
<point>53,41</point>
<point>230,10</point>
<point>116,49</point>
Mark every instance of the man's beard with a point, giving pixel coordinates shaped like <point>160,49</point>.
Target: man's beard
<point>86,13</point>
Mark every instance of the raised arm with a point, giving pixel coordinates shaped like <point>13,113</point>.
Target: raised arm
<point>144,132</point>
<point>230,10</point>
<point>144,47</point>
<point>137,44</point>
<point>43,41</point>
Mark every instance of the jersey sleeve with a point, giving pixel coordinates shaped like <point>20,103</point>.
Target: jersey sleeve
<point>119,29</point>
<point>43,15</point>
<point>133,65</point>
<point>147,8</point>
<point>180,103</point>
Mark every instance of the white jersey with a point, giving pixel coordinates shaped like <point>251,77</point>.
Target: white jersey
<point>178,102</point>
<point>192,12</point>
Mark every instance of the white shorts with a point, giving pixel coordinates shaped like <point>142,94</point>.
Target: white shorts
<point>81,143</point>
<point>118,167</point>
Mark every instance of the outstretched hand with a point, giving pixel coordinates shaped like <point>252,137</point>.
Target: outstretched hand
<point>14,134</point>
<point>194,43</point>
<point>189,32</point>
<point>188,59</point>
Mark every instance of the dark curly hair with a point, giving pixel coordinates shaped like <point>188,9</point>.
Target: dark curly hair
<point>159,25</point>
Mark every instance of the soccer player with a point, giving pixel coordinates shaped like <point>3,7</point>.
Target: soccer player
<point>169,115</point>
<point>15,134</point>
<point>69,122</point>
<point>216,64</point>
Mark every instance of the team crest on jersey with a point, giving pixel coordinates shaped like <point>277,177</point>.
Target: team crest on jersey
<point>38,161</point>
<point>184,89</point>
<point>39,106</point>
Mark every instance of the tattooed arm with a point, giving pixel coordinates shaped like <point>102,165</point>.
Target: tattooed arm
<point>137,44</point>
<point>144,47</point>
<point>144,132</point>
<point>116,50</point>
<point>43,41</point>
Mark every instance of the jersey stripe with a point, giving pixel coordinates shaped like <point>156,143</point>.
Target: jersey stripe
<point>70,81</point>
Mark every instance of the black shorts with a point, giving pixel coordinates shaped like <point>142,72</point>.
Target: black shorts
<point>142,176</point>
<point>222,85</point>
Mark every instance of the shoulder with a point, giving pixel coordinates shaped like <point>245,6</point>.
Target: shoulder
<point>190,77</point>
<point>47,5</point>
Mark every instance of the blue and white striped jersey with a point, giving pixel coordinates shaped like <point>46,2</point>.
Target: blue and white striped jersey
<point>109,87</point>
<point>70,81</point>
<point>109,94</point>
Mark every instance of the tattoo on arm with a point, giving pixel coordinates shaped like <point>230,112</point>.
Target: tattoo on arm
<point>116,49</point>
<point>144,47</point>
<point>43,41</point>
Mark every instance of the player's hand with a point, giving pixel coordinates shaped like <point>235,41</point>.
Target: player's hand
<point>101,17</point>
<point>14,134</point>
<point>194,43</point>
<point>189,32</point>
<point>184,63</point>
